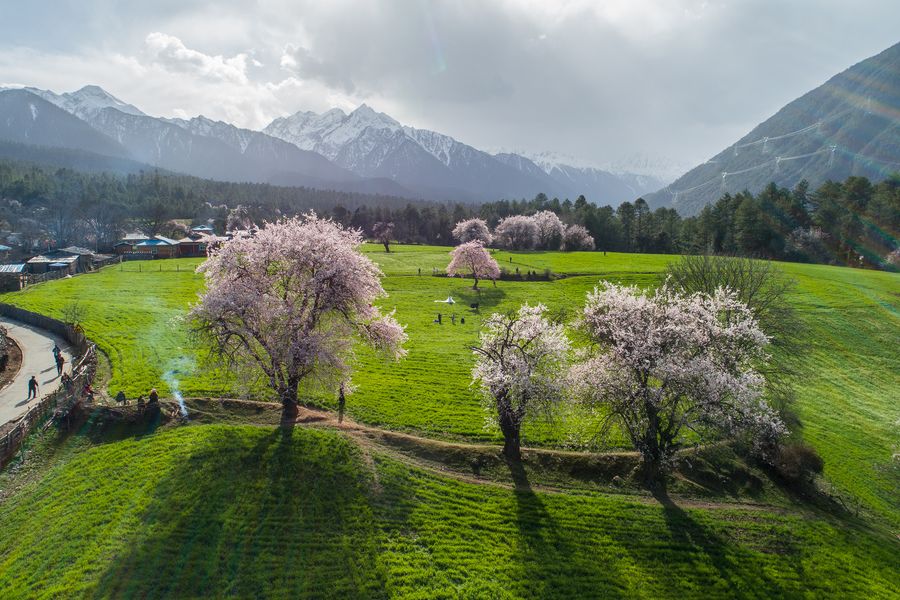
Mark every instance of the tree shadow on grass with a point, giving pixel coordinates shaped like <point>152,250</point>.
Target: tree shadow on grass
<point>254,513</point>
<point>737,572</point>
<point>551,562</point>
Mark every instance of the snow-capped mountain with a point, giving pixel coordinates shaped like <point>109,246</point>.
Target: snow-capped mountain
<point>363,151</point>
<point>268,154</point>
<point>86,102</point>
<point>92,119</point>
<point>26,118</point>
<point>658,167</point>
<point>373,144</point>
<point>598,185</point>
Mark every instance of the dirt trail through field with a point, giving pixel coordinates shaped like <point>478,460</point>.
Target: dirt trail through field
<point>386,442</point>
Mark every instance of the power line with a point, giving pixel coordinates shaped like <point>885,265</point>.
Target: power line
<point>818,124</point>
<point>724,175</point>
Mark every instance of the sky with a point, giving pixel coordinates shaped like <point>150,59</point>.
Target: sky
<point>602,81</point>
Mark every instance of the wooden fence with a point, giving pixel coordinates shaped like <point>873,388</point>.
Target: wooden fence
<point>84,366</point>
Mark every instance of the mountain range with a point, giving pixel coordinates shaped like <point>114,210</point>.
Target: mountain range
<point>361,151</point>
<point>850,125</point>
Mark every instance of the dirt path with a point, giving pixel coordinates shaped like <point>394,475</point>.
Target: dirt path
<point>377,441</point>
<point>37,359</point>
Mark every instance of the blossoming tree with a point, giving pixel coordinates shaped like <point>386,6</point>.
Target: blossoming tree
<point>472,258</point>
<point>520,368</point>
<point>667,364</point>
<point>471,230</point>
<point>384,233</point>
<point>549,229</point>
<point>577,237</point>
<point>517,232</point>
<point>291,301</point>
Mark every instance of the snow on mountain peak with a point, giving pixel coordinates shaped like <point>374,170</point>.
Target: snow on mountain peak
<point>87,101</point>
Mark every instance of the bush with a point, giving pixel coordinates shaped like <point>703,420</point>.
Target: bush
<point>798,463</point>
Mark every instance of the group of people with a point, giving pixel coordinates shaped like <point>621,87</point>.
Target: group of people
<point>67,381</point>
<point>88,391</point>
<point>152,398</point>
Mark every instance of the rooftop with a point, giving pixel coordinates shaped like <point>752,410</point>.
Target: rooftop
<point>77,250</point>
<point>50,258</point>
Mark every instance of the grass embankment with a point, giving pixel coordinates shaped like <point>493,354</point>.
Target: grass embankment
<point>213,510</point>
<point>849,394</point>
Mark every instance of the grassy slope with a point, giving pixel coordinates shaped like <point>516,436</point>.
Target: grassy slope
<point>849,399</point>
<point>251,512</point>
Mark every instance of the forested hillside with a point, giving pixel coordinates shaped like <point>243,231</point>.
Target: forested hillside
<point>855,222</point>
<point>847,126</point>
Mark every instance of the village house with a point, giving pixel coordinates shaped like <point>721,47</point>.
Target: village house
<point>157,247</point>
<point>84,257</point>
<point>12,277</point>
<point>53,261</point>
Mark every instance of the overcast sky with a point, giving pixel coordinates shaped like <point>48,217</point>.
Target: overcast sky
<point>596,80</point>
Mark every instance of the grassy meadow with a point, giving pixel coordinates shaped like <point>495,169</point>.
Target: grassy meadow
<point>253,512</point>
<point>848,393</point>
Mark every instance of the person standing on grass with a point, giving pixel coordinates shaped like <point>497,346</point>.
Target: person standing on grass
<point>342,403</point>
<point>32,388</point>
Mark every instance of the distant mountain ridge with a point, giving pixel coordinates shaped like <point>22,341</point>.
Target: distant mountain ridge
<point>364,151</point>
<point>371,143</point>
<point>97,123</point>
<point>849,125</point>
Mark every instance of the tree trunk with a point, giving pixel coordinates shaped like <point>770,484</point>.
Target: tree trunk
<point>475,286</point>
<point>289,405</point>
<point>651,469</point>
<point>651,452</point>
<point>511,443</point>
<point>387,246</point>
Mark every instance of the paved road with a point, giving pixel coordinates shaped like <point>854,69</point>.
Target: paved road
<point>37,359</point>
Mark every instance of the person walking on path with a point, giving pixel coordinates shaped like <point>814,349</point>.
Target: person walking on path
<point>60,361</point>
<point>56,350</point>
<point>32,388</point>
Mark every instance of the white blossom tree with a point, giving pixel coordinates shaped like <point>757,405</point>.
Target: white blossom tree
<point>471,230</point>
<point>516,233</point>
<point>384,233</point>
<point>520,368</point>
<point>549,228</point>
<point>577,237</point>
<point>291,301</point>
<point>471,258</point>
<point>667,365</point>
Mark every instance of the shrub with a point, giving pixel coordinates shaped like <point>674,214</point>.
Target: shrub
<point>798,463</point>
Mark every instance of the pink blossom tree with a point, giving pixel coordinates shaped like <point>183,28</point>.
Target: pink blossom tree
<point>520,368</point>
<point>291,301</point>
<point>384,233</point>
<point>667,364</point>
<point>472,258</point>
<point>577,237</point>
<point>516,233</point>
<point>549,228</point>
<point>471,230</point>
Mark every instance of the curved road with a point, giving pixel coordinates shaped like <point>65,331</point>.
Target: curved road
<point>37,359</point>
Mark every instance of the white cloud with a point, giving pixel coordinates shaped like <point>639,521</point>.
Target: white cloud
<point>598,80</point>
<point>171,53</point>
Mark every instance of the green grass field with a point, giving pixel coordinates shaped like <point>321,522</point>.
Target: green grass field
<point>252,512</point>
<point>849,396</point>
